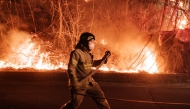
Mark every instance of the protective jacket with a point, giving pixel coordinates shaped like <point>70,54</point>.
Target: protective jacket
<point>79,66</point>
<point>79,72</point>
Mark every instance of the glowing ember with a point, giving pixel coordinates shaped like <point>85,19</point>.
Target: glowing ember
<point>103,42</point>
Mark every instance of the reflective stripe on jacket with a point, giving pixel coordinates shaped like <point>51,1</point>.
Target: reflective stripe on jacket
<point>79,65</point>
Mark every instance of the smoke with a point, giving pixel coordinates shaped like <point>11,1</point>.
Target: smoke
<point>126,29</point>
<point>17,37</point>
<point>14,39</point>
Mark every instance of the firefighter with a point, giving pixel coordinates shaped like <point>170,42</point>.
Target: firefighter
<point>79,66</point>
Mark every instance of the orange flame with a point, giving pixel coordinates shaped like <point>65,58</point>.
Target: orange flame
<point>147,64</point>
<point>28,55</point>
<point>182,24</point>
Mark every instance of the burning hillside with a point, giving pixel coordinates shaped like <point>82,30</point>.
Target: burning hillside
<point>129,29</point>
<point>28,52</point>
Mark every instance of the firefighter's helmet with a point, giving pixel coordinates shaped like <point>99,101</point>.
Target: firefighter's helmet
<point>85,37</point>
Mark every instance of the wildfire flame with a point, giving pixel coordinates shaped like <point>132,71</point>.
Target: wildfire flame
<point>30,55</point>
<point>147,64</point>
<point>182,24</point>
<point>27,55</point>
<point>182,19</point>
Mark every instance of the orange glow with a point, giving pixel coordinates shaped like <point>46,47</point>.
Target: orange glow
<point>181,4</point>
<point>182,24</point>
<point>148,64</point>
<point>27,55</point>
<point>30,55</point>
<point>183,20</point>
<point>103,42</point>
<point>179,20</point>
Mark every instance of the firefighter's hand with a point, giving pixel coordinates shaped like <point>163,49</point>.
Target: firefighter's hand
<point>107,53</point>
<point>106,56</point>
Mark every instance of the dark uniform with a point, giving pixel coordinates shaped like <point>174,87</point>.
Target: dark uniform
<point>80,63</point>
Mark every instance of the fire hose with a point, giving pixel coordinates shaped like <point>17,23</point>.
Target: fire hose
<point>137,101</point>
